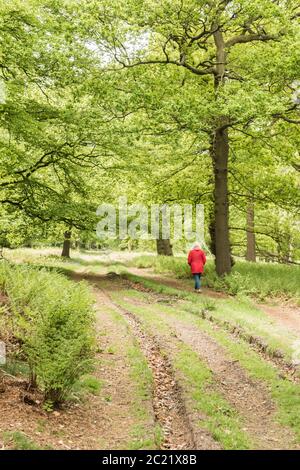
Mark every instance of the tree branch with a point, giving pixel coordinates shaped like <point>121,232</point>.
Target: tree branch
<point>245,38</point>
<point>182,63</point>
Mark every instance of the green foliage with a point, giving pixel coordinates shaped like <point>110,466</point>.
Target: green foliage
<point>19,441</point>
<point>15,367</point>
<point>209,304</point>
<point>53,319</point>
<point>68,130</point>
<point>86,384</point>
<point>259,280</point>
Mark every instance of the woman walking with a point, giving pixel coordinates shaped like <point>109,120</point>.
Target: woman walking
<point>197,260</point>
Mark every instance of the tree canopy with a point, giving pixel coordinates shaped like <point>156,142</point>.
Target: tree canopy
<point>174,101</point>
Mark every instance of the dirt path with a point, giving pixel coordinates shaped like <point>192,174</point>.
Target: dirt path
<point>118,388</point>
<point>285,315</point>
<point>107,420</point>
<point>180,284</point>
<point>168,404</point>
<point>250,398</point>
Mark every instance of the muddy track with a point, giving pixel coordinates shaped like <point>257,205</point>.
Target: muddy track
<point>168,405</point>
<point>248,396</point>
<point>276,357</point>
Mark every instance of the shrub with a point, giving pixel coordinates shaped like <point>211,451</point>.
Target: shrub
<point>53,319</point>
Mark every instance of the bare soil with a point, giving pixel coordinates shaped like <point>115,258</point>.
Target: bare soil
<point>285,315</point>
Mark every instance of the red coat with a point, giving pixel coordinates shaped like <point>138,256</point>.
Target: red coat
<point>197,260</point>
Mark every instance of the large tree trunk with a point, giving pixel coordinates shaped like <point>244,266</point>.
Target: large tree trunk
<point>220,154</point>
<point>164,247</point>
<point>250,253</point>
<point>221,206</point>
<point>67,244</point>
<point>212,233</point>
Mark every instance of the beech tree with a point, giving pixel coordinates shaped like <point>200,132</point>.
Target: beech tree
<point>180,101</point>
<point>55,137</point>
<point>231,53</point>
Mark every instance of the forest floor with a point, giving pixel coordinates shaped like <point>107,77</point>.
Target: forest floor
<point>176,370</point>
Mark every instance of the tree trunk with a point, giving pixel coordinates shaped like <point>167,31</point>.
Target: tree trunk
<point>164,247</point>
<point>32,380</point>
<point>67,244</point>
<point>221,206</point>
<point>250,254</point>
<point>212,233</point>
<point>220,154</point>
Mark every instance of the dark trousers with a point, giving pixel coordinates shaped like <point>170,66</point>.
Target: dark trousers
<point>197,278</point>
